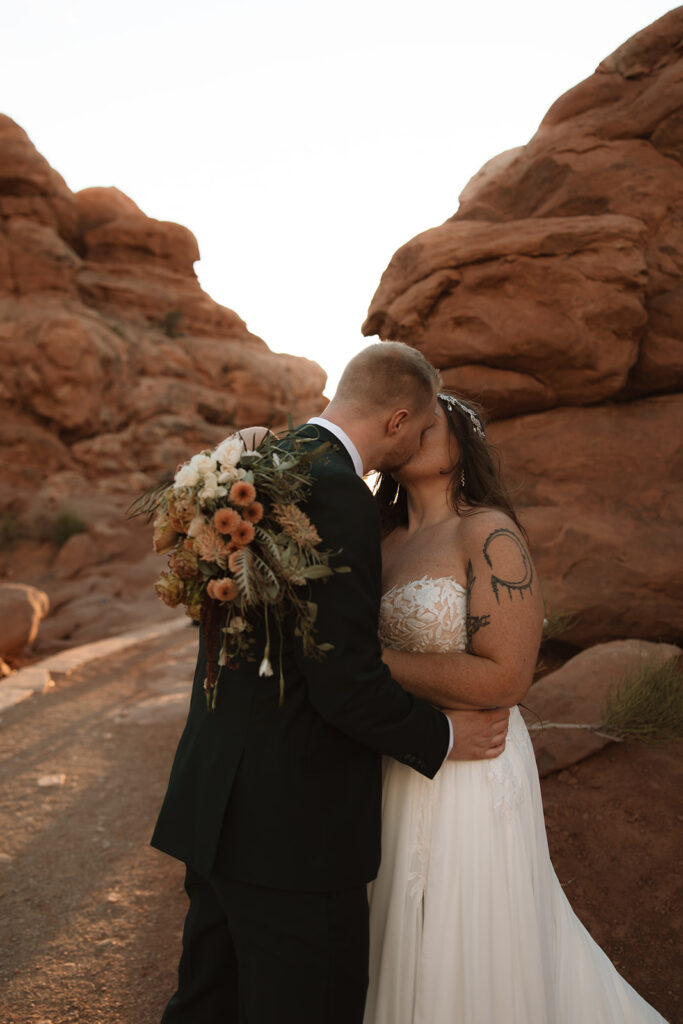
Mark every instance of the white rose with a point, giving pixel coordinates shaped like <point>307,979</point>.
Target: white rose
<point>187,476</point>
<point>229,452</point>
<point>210,481</point>
<point>203,464</point>
<point>207,494</point>
<point>228,476</point>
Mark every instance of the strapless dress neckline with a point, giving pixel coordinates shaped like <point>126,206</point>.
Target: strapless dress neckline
<point>425,614</point>
<point>425,579</point>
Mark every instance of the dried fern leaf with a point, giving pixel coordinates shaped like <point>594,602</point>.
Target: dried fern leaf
<point>147,504</point>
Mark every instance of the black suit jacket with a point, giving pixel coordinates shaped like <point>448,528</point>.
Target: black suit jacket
<point>290,797</point>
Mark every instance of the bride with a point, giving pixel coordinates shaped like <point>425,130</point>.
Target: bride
<point>468,921</point>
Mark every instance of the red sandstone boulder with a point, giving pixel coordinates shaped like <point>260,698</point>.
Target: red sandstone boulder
<point>555,297</point>
<point>21,610</point>
<point>501,296</point>
<point>97,206</point>
<point>570,243</point>
<point>138,239</point>
<point>79,552</point>
<point>115,366</point>
<point>108,341</point>
<point>598,493</point>
<point>29,188</point>
<point>576,694</point>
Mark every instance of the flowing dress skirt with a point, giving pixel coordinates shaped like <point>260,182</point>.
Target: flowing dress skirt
<point>468,921</point>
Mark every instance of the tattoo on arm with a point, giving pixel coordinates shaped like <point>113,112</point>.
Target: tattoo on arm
<point>473,623</point>
<point>527,572</point>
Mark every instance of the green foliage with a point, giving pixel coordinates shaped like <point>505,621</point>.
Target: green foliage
<point>556,624</point>
<point>55,529</point>
<point>10,530</point>
<point>647,704</point>
<point>65,524</point>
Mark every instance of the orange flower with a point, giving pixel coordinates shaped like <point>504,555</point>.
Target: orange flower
<point>242,493</point>
<point>226,520</point>
<point>210,546</point>
<point>222,590</point>
<point>244,534</point>
<point>253,513</point>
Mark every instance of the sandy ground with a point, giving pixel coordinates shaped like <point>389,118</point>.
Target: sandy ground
<point>90,915</point>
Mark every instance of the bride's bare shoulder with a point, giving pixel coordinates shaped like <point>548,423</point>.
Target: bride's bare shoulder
<point>479,523</point>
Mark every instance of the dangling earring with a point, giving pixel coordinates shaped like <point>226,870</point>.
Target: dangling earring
<point>462,479</point>
<point>398,491</point>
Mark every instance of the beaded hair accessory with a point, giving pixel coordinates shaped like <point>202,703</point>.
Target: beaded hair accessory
<point>452,402</point>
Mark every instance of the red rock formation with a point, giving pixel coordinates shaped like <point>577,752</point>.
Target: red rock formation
<point>576,693</point>
<point>114,367</point>
<point>558,285</point>
<point>112,359</point>
<point>21,609</point>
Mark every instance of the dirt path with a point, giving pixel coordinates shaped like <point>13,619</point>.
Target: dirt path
<point>90,915</point>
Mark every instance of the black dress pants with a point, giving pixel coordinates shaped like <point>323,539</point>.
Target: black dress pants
<point>253,955</point>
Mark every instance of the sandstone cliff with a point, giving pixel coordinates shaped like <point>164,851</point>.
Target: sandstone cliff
<point>113,360</point>
<point>114,367</point>
<point>555,297</point>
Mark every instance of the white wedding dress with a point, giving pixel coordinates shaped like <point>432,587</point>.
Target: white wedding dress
<point>468,921</point>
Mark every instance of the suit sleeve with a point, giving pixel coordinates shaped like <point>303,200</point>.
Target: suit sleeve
<point>351,688</point>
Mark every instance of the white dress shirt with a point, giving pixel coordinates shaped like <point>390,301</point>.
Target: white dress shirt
<point>350,447</point>
<point>342,436</point>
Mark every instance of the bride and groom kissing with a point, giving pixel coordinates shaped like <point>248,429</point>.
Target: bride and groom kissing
<point>405,739</point>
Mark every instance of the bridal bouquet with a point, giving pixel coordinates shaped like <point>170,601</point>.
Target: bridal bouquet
<point>241,548</point>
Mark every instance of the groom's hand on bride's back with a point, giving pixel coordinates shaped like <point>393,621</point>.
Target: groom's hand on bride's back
<point>478,735</point>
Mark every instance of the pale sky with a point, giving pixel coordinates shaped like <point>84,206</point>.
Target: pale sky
<point>301,141</point>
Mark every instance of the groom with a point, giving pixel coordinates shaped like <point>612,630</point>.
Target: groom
<point>276,810</point>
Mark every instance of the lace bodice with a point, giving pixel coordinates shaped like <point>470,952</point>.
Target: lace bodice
<point>429,615</point>
<point>424,615</point>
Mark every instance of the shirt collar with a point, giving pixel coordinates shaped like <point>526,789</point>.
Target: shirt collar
<point>341,435</point>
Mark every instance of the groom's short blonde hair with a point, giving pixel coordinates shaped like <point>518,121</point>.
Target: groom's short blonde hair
<point>388,373</point>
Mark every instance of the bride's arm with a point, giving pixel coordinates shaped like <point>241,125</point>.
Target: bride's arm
<point>504,621</point>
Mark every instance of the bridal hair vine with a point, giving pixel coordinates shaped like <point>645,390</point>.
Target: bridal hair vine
<point>451,401</point>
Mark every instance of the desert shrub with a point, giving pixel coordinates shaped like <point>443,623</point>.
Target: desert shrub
<point>10,529</point>
<point>66,524</point>
<point>556,624</point>
<point>647,704</point>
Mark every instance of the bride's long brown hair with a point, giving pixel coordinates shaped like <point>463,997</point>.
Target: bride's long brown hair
<point>478,465</point>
